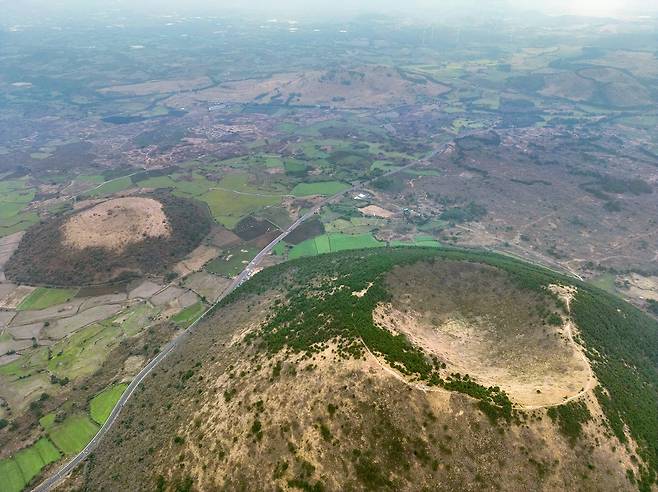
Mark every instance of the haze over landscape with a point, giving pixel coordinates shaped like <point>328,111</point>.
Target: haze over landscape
<point>328,245</point>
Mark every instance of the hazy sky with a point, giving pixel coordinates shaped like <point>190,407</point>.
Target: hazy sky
<point>613,8</point>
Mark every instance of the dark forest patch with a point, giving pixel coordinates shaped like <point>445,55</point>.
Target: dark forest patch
<point>307,230</point>
<point>250,228</point>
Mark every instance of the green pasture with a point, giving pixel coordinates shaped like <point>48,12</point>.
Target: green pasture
<point>18,223</point>
<point>355,225</point>
<point>419,241</point>
<point>228,208</point>
<point>83,352</point>
<point>385,166</point>
<point>605,281</point>
<point>44,297</point>
<point>189,315</point>
<point>30,363</point>
<point>47,421</point>
<point>102,404</point>
<point>15,195</point>
<point>278,216</point>
<point>16,472</point>
<point>90,178</point>
<point>325,188</point>
<point>72,435</point>
<point>233,261</point>
<point>332,242</point>
<point>158,182</point>
<point>110,187</point>
<point>293,166</point>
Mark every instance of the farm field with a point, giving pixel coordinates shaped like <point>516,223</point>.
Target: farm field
<point>188,315</point>
<point>324,188</point>
<point>16,472</point>
<point>605,282</point>
<point>44,297</point>
<point>228,207</point>
<point>102,404</point>
<point>333,242</point>
<point>15,195</point>
<point>232,261</point>
<point>73,434</point>
<point>419,241</point>
<point>110,187</point>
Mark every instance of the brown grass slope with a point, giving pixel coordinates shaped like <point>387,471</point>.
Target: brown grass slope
<point>221,415</point>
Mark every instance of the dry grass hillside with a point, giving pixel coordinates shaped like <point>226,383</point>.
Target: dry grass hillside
<point>361,87</point>
<point>275,393</point>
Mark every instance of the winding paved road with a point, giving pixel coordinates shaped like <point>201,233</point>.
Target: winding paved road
<point>49,483</point>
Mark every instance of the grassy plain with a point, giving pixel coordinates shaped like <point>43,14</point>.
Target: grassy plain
<point>333,242</point>
<point>110,187</point>
<point>232,261</point>
<point>15,195</point>
<point>16,472</point>
<point>44,297</point>
<point>319,188</point>
<point>102,404</point>
<point>189,315</point>
<point>228,207</point>
<point>73,434</point>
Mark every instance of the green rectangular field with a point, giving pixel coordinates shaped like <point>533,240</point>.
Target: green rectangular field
<point>110,187</point>
<point>605,282</point>
<point>44,297</point>
<point>319,188</point>
<point>322,244</point>
<point>72,435</point>
<point>341,242</point>
<point>90,178</point>
<point>102,404</point>
<point>228,207</point>
<point>30,462</point>
<point>9,210</point>
<point>188,315</point>
<point>157,182</point>
<point>280,249</point>
<point>192,186</point>
<point>12,478</point>
<point>305,248</point>
<point>16,472</point>
<point>232,261</point>
<point>82,353</point>
<point>47,421</point>
<point>46,450</point>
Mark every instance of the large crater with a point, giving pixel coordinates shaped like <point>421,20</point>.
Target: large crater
<point>111,241</point>
<point>116,224</point>
<point>477,321</point>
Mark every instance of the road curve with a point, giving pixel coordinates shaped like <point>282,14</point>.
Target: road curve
<point>249,270</point>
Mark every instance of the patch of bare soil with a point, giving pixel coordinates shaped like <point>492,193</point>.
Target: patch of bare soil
<point>221,237</point>
<point>195,260</point>
<point>116,224</point>
<point>16,296</point>
<point>376,211</point>
<point>132,365</point>
<point>641,287</point>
